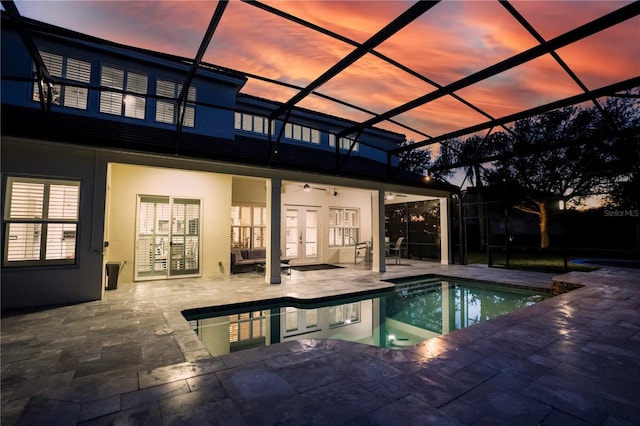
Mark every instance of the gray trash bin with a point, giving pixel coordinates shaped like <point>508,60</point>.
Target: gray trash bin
<point>113,270</point>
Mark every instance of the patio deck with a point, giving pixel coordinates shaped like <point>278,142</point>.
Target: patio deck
<point>131,358</point>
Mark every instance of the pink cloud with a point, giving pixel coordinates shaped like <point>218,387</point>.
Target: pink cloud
<point>452,40</point>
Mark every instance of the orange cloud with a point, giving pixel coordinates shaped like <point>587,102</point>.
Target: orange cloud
<point>452,40</point>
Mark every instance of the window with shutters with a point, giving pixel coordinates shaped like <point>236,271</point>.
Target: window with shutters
<point>301,133</point>
<point>344,227</point>
<point>345,143</point>
<point>252,123</point>
<point>167,105</point>
<point>68,94</point>
<point>248,226</point>
<point>247,330</point>
<point>40,221</point>
<point>127,95</point>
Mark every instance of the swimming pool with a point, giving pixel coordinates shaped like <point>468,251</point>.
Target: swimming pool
<point>417,309</point>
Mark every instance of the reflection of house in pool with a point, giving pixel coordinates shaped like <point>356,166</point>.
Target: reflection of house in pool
<point>417,309</point>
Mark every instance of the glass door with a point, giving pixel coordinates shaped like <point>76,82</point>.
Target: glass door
<point>301,234</point>
<point>291,234</point>
<point>168,240</point>
<point>311,235</point>
<point>152,246</point>
<point>185,237</point>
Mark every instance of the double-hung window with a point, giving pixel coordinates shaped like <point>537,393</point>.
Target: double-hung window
<point>132,104</point>
<point>69,94</point>
<point>166,105</point>
<point>344,227</point>
<point>41,221</point>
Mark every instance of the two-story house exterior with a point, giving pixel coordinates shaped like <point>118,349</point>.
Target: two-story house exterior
<point>103,162</point>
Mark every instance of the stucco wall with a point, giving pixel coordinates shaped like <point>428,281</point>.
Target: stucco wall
<point>294,196</point>
<point>128,181</point>
<point>50,285</point>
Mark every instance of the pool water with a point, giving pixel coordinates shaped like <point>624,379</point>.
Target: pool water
<point>419,308</point>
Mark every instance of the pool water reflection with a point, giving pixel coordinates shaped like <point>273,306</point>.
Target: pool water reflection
<point>418,309</point>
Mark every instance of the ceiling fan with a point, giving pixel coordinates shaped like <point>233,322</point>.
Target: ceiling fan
<point>307,188</point>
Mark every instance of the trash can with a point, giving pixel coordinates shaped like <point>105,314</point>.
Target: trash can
<point>113,270</point>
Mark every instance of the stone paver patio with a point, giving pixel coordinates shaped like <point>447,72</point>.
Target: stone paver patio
<point>132,358</point>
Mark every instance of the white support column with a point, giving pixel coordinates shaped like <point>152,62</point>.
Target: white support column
<point>445,238</point>
<point>274,219</point>
<point>377,231</point>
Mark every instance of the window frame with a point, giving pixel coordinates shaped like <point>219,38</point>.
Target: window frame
<point>44,222</point>
<point>166,100</point>
<point>127,96</point>
<point>252,123</point>
<point>338,229</point>
<point>300,133</point>
<point>63,91</point>
<point>253,229</point>
<point>345,315</point>
<point>345,143</point>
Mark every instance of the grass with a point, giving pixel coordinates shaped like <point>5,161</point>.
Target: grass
<point>541,262</point>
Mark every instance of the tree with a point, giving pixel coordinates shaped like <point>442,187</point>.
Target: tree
<point>561,155</point>
<point>414,160</point>
<point>624,112</point>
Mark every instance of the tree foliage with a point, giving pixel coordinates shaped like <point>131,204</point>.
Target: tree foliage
<point>415,160</point>
<point>569,154</point>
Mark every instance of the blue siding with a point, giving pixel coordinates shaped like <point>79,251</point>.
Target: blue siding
<point>217,94</point>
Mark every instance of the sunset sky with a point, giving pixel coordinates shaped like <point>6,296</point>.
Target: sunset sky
<point>452,40</point>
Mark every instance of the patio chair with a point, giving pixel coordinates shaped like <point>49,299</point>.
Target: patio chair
<point>395,250</point>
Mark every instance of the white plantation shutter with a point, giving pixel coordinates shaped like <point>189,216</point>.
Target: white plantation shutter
<point>258,124</point>
<point>63,202</point>
<point>315,136</point>
<point>191,96</point>
<point>54,65</point>
<point>190,110</point>
<point>61,241</point>
<point>165,109</point>
<point>189,117</point>
<point>111,102</point>
<point>134,106</point>
<point>76,97</point>
<point>41,221</point>
<point>247,122</point>
<point>27,200</point>
<point>23,242</point>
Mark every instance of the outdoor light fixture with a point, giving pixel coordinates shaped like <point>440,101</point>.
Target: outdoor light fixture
<point>561,205</point>
<point>390,196</point>
<point>427,177</point>
<point>306,187</point>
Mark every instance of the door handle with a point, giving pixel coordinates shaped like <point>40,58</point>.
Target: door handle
<point>300,238</point>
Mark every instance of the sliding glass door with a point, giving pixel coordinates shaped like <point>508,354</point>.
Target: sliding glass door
<point>168,237</point>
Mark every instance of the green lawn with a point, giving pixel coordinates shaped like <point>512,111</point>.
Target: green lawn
<point>542,262</point>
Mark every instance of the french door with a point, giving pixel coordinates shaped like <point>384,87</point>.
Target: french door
<point>302,234</point>
<point>168,237</point>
